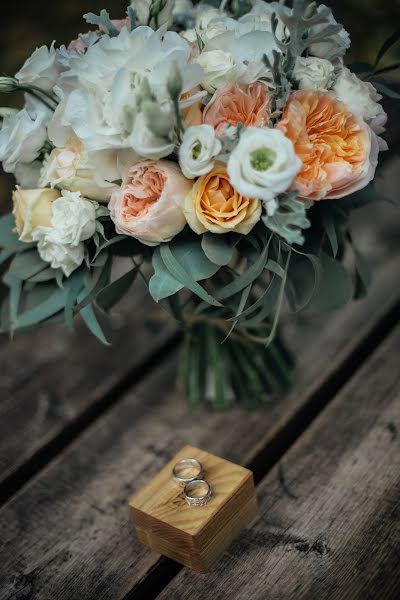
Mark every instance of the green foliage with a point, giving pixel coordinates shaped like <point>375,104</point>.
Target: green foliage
<point>181,263</point>
<point>299,22</point>
<point>112,293</point>
<point>289,220</point>
<point>218,248</point>
<point>103,22</point>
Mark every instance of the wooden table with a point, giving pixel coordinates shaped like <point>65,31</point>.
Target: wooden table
<point>83,427</point>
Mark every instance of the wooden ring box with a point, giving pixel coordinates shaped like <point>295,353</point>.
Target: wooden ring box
<point>195,536</point>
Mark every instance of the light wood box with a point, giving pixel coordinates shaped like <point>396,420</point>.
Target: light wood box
<point>194,536</point>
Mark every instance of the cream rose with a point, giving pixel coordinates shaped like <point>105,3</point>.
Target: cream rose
<point>263,165</point>
<point>214,205</point>
<point>32,208</point>
<point>148,204</point>
<point>74,218</point>
<point>219,68</point>
<point>69,169</point>
<point>314,73</point>
<point>198,150</point>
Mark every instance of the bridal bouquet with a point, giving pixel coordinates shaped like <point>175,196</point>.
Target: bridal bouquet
<point>221,147</point>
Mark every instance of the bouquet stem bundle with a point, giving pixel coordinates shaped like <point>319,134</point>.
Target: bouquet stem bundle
<point>221,370</point>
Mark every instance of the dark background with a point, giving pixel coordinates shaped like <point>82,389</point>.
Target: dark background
<point>25,26</point>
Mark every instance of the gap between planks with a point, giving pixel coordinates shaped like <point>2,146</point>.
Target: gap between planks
<point>165,570</point>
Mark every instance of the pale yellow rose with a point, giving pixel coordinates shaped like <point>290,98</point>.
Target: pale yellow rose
<point>32,208</point>
<point>214,205</point>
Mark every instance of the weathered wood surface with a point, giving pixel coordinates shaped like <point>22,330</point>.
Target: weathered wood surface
<point>329,520</point>
<point>50,379</point>
<point>67,534</point>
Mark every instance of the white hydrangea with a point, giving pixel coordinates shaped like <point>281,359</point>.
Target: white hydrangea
<point>23,134</point>
<point>54,250</point>
<point>198,149</point>
<point>42,69</point>
<point>101,89</point>
<point>263,165</point>
<point>313,73</point>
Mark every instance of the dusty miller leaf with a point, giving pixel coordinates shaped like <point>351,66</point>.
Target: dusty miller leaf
<point>289,220</point>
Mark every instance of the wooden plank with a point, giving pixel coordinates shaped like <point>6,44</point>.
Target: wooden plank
<point>50,378</point>
<point>67,534</point>
<point>329,521</point>
<point>50,386</point>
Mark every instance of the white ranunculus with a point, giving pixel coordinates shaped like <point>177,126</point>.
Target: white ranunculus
<point>198,149</point>
<point>142,11</point>
<point>23,134</point>
<point>100,90</point>
<point>219,68</point>
<point>42,69</point>
<point>54,250</point>
<point>314,73</point>
<point>357,95</point>
<point>69,169</point>
<point>263,165</point>
<point>74,218</point>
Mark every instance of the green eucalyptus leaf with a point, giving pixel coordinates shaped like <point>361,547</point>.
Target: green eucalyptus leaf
<point>27,264</point>
<point>8,238</point>
<point>115,240</point>
<point>116,290</point>
<point>330,229</point>
<point>102,281</point>
<point>188,264</point>
<point>386,90</point>
<point>14,284</point>
<point>218,248</point>
<point>162,284</point>
<point>363,275</point>
<point>387,44</point>
<point>45,275</point>
<point>73,285</point>
<point>89,317</point>
<point>5,255</point>
<point>336,287</point>
<point>54,302</point>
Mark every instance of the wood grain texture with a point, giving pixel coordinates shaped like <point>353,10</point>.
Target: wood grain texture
<point>67,534</point>
<point>194,536</point>
<point>49,378</point>
<point>329,523</point>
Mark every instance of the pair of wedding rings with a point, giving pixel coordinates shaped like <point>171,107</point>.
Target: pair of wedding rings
<point>189,473</point>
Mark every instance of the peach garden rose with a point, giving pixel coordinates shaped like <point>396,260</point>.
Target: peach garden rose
<point>148,204</point>
<point>338,150</point>
<point>214,205</point>
<point>238,103</point>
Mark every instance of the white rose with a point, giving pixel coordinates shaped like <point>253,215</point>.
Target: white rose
<point>142,10</point>
<point>69,169</point>
<point>53,250</point>
<point>74,218</point>
<point>357,95</point>
<point>219,69</point>
<point>42,69</point>
<point>23,135</point>
<point>263,165</point>
<point>314,73</point>
<point>198,149</point>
